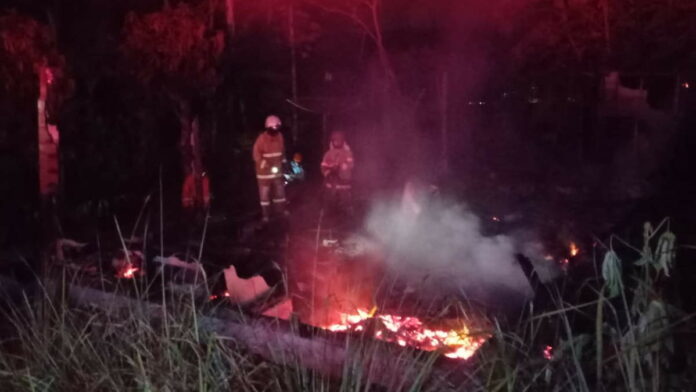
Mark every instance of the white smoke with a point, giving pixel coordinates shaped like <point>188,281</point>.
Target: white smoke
<point>440,250</point>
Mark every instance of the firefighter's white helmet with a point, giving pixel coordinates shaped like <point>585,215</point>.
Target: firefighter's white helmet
<point>273,122</point>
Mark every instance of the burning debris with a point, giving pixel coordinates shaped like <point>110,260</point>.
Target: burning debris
<point>128,264</point>
<point>128,273</point>
<point>573,249</point>
<point>548,353</point>
<point>334,290</point>
<point>213,297</point>
<point>412,332</point>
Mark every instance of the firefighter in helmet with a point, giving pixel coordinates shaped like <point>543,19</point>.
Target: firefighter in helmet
<point>269,157</point>
<point>337,169</point>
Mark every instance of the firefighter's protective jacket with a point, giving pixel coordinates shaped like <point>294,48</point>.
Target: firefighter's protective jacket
<point>269,156</point>
<point>188,194</point>
<point>337,167</point>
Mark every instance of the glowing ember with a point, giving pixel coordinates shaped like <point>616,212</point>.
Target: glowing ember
<point>215,296</point>
<point>127,272</point>
<point>574,250</point>
<point>127,264</point>
<point>410,331</point>
<point>548,352</point>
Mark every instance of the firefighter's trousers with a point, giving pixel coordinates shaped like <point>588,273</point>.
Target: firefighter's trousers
<point>338,197</point>
<point>271,194</point>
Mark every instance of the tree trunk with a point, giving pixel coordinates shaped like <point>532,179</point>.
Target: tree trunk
<point>185,123</point>
<point>568,33</point>
<point>49,173</point>
<point>293,70</point>
<point>191,153</point>
<point>230,18</point>
<point>677,95</point>
<point>197,161</point>
<point>382,54</point>
<point>48,140</point>
<point>607,31</point>
<point>444,121</point>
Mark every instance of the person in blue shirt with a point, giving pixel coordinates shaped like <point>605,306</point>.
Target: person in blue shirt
<point>295,171</point>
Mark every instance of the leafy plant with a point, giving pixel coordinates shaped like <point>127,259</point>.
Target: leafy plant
<point>611,272</point>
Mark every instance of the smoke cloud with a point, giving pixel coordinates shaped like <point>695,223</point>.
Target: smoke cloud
<point>439,250</point>
<point>398,134</point>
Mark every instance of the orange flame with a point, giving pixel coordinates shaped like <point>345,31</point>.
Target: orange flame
<point>128,272</point>
<point>226,294</point>
<point>410,331</point>
<point>574,250</point>
<point>548,353</point>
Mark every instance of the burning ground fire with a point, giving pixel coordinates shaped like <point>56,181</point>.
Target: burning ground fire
<point>127,265</point>
<point>410,331</point>
<point>226,294</point>
<point>573,249</point>
<point>128,271</point>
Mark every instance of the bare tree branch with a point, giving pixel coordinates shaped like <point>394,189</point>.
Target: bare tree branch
<point>370,24</point>
<point>351,14</point>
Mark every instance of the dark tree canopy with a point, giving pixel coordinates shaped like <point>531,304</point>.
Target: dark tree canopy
<point>25,45</point>
<point>592,35</point>
<point>174,48</point>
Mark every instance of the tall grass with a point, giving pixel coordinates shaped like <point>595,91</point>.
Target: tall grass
<point>57,347</point>
<point>626,338</point>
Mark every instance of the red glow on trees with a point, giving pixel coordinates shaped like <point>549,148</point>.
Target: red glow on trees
<point>176,52</point>
<point>29,50</point>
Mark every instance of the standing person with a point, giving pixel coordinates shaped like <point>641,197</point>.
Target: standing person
<point>295,172</point>
<point>269,157</point>
<point>337,168</point>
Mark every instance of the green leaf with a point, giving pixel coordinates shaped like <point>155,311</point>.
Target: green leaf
<point>611,272</point>
<point>666,252</point>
